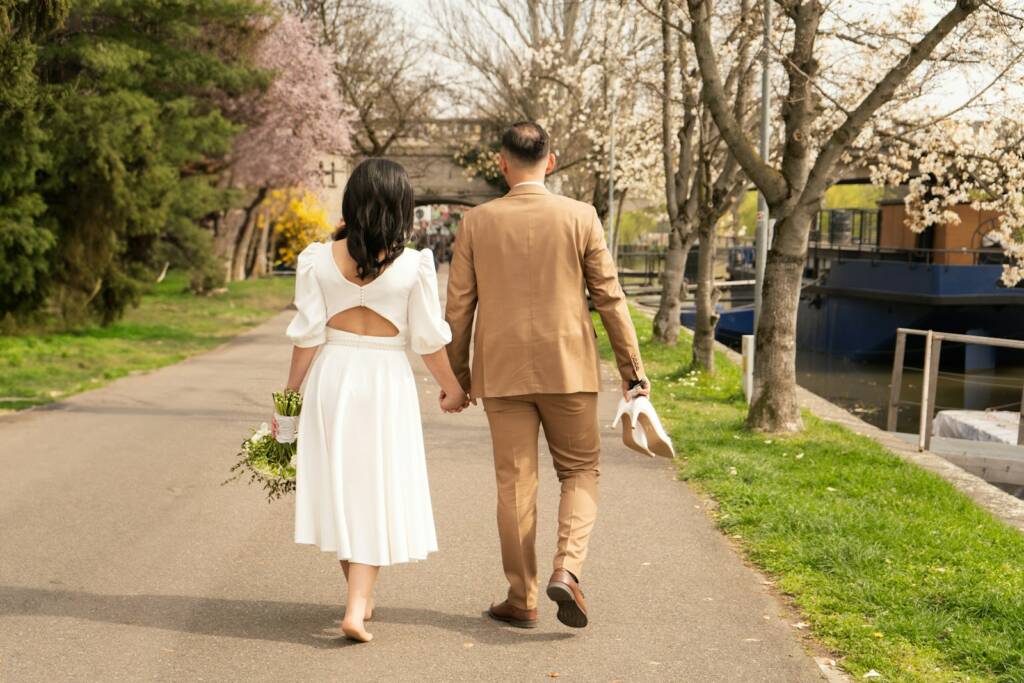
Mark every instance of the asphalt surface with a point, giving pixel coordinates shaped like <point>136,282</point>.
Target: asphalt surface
<point>123,558</point>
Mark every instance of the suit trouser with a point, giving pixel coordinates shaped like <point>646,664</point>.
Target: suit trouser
<point>571,430</point>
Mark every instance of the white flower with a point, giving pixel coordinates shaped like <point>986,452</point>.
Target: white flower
<point>261,433</point>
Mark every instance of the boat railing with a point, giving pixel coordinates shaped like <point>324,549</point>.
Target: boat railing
<point>922,255</point>
<point>932,351</point>
<point>841,233</point>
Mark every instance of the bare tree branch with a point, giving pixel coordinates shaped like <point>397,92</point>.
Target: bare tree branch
<point>388,88</point>
<point>768,179</point>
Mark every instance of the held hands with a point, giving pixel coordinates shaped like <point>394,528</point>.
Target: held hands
<point>453,403</point>
<point>642,389</point>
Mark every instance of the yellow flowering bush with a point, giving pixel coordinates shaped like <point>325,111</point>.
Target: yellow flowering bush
<point>299,220</point>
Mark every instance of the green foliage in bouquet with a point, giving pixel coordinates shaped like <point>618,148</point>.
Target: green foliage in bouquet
<point>264,459</point>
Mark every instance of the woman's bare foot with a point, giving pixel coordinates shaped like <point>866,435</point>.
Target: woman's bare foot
<point>369,611</point>
<point>354,630</point>
<point>359,601</point>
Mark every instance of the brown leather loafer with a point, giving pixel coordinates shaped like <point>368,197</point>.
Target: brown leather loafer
<point>513,616</point>
<point>564,590</point>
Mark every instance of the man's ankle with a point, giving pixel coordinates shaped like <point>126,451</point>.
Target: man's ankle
<point>567,571</point>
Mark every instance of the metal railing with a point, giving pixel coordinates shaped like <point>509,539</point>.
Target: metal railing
<point>846,227</point>
<point>641,262</point>
<point>932,351</point>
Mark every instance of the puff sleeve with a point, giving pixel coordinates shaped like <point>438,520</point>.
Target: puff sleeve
<point>428,331</point>
<point>308,327</point>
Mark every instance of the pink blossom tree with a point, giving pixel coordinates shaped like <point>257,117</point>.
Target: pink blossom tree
<point>297,118</point>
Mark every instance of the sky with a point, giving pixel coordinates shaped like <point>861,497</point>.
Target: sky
<point>419,11</point>
<point>956,88</point>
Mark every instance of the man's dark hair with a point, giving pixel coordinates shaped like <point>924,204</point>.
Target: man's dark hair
<point>526,142</point>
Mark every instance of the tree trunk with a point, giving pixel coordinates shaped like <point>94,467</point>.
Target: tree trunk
<point>259,261</point>
<point>273,238</point>
<point>706,299</point>
<point>226,230</point>
<point>616,234</point>
<point>775,407</point>
<point>240,255</point>
<point>599,198</point>
<point>666,322</point>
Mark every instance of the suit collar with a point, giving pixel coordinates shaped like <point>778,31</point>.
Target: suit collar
<point>528,188</point>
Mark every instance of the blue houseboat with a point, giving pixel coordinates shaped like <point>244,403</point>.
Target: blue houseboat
<point>868,274</point>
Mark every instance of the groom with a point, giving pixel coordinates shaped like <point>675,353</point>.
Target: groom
<point>520,266</point>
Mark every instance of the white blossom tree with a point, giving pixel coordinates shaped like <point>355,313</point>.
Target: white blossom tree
<point>703,179</point>
<point>850,76</point>
<point>957,162</point>
<point>573,67</point>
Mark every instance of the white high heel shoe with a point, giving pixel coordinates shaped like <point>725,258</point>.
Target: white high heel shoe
<point>633,435</point>
<point>642,430</point>
<point>657,439</point>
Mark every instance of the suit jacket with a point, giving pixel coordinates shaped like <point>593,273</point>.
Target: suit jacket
<point>520,266</point>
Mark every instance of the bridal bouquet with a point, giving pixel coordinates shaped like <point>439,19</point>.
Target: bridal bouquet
<point>268,460</point>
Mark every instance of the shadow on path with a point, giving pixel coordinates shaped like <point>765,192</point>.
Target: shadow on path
<point>286,622</point>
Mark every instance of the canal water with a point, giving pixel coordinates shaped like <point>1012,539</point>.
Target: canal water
<point>862,387</point>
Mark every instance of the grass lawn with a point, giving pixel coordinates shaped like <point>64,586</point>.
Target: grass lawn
<point>170,324</point>
<point>893,568</point>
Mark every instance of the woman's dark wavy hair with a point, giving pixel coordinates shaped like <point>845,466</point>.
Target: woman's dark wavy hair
<point>378,212</point>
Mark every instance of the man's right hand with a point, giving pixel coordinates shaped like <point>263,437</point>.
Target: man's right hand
<point>643,389</point>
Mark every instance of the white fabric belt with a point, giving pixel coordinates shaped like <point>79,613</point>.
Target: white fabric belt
<point>343,338</point>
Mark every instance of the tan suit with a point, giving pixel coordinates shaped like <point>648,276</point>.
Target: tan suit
<point>520,267</point>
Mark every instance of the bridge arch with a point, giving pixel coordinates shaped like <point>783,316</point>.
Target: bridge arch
<point>427,151</point>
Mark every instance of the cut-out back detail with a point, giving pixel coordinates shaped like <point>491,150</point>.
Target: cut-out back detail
<point>363,321</point>
<point>401,304</point>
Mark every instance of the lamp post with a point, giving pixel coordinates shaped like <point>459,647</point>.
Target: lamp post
<point>611,166</point>
<point>762,237</point>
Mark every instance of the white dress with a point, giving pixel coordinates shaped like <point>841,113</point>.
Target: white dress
<point>361,475</point>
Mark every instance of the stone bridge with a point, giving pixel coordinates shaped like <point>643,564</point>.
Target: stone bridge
<point>427,150</point>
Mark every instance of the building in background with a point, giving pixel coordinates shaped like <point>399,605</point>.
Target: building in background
<point>334,172</point>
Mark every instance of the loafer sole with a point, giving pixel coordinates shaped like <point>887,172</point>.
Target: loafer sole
<point>518,623</point>
<point>569,611</point>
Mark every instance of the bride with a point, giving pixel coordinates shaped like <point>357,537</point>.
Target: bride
<point>363,299</point>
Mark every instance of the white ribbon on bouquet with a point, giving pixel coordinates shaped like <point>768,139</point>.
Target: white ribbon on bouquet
<point>287,428</point>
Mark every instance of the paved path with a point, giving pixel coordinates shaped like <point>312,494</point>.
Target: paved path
<point>122,557</point>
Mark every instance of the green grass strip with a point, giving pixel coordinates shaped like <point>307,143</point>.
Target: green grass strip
<point>169,325</point>
<point>893,568</point>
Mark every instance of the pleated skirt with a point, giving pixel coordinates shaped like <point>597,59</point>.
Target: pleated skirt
<point>361,488</point>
